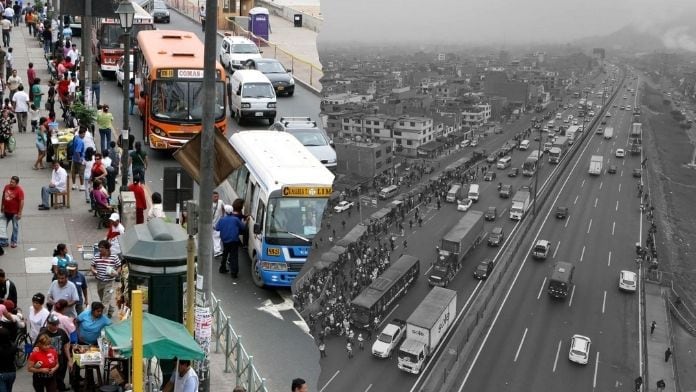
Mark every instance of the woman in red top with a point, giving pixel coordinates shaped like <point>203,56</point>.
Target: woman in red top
<point>140,199</point>
<point>98,169</point>
<point>43,364</point>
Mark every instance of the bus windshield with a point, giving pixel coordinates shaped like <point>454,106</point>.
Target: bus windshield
<point>293,220</point>
<point>112,35</point>
<point>182,101</point>
<point>361,316</point>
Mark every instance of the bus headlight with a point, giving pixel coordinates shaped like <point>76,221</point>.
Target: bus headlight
<point>274,266</point>
<point>271,105</point>
<point>158,131</point>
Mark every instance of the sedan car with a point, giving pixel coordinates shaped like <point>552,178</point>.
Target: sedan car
<point>491,213</point>
<point>612,169</point>
<point>343,206</point>
<point>636,173</point>
<point>579,349</point>
<point>496,237</point>
<point>464,205</point>
<point>280,78</point>
<point>483,269</point>
<point>160,12</point>
<point>628,281</point>
<point>514,172</point>
<point>489,176</point>
<point>620,153</point>
<point>561,212</point>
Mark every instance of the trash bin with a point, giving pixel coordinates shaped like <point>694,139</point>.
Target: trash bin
<point>298,20</point>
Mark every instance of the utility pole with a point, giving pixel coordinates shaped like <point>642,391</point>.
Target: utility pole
<point>207,155</point>
<point>87,58</point>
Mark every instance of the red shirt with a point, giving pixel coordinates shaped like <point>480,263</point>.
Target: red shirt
<point>139,192</point>
<point>48,358</point>
<point>31,76</point>
<point>12,197</point>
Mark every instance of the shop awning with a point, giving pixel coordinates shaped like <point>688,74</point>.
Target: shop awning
<point>162,338</point>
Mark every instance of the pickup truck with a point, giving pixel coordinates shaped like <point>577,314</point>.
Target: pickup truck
<point>388,340</point>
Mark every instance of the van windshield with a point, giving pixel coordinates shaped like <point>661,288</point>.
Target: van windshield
<point>257,90</point>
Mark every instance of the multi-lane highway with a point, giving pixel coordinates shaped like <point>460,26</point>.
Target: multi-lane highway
<point>272,331</point>
<point>529,341</point>
<point>364,372</point>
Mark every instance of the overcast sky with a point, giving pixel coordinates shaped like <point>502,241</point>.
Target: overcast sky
<point>493,21</point>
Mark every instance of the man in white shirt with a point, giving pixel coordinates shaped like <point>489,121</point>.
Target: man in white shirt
<point>6,29</point>
<point>74,55</point>
<point>21,107</point>
<point>72,88</point>
<point>218,212</point>
<point>58,184</point>
<point>8,13</point>
<point>184,379</point>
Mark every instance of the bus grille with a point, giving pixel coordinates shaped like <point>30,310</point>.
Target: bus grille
<point>183,135</point>
<point>295,267</point>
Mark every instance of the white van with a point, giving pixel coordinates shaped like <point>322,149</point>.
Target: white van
<point>524,144</point>
<point>388,192</point>
<point>453,194</point>
<point>504,162</point>
<point>474,192</point>
<point>252,96</point>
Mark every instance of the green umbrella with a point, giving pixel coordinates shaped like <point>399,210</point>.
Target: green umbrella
<point>162,338</point>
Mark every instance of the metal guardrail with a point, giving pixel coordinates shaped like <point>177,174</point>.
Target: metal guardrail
<point>237,359</point>
<point>303,70</point>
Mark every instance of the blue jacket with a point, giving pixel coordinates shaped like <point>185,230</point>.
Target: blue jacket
<point>230,227</point>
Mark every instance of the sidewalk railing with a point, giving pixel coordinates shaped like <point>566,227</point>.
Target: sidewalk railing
<point>237,359</point>
<point>303,70</point>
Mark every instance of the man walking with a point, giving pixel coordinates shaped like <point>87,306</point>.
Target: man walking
<point>21,108</point>
<point>77,169</point>
<point>201,14</point>
<point>105,267</point>
<point>230,227</point>
<point>105,124</point>
<point>668,353</point>
<point>11,207</point>
<point>652,327</point>
<point>6,28</point>
<point>80,282</point>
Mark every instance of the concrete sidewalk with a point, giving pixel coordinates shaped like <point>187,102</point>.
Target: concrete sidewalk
<point>658,341</point>
<point>28,264</point>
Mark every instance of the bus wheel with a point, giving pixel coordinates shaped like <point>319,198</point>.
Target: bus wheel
<point>256,272</point>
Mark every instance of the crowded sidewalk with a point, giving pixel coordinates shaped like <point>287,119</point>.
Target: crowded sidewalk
<point>28,264</point>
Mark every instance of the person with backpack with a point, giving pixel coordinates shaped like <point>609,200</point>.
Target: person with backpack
<point>137,160</point>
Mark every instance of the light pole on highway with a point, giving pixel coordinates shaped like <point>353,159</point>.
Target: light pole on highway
<point>536,174</point>
<point>125,12</point>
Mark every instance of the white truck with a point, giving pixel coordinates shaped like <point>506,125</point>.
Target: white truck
<point>559,148</point>
<point>425,328</point>
<point>520,204</point>
<point>596,165</point>
<point>608,132</point>
<point>389,339</point>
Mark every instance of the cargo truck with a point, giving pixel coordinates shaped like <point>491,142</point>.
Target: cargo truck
<point>596,165</point>
<point>426,327</point>
<point>520,204</point>
<point>558,150</point>
<point>608,132</point>
<point>635,138</point>
<point>573,133</point>
<point>454,246</point>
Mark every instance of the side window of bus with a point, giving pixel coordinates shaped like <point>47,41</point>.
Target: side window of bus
<point>251,196</point>
<point>260,212</point>
<point>242,179</point>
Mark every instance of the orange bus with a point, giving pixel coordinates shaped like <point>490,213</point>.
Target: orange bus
<point>169,83</point>
<point>107,38</point>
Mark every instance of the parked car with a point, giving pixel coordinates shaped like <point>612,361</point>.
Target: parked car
<point>483,269</point>
<point>280,78</point>
<point>343,206</point>
<point>628,281</point>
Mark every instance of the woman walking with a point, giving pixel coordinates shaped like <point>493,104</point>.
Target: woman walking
<point>36,92</point>
<point>41,145</point>
<point>5,131</point>
<point>37,315</point>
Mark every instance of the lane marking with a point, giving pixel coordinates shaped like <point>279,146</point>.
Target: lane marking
<point>517,354</point>
<point>617,205</point>
<point>621,174</point>
<point>600,184</point>
<point>329,382</point>
<point>556,250</point>
<point>582,255</point>
<point>604,301</point>
<point>594,380</point>
<point>368,388</point>
<point>589,227</point>
<point>576,199</point>
<point>541,289</point>
<point>619,187</point>
<point>595,201</point>
<point>583,184</point>
<point>558,352</point>
<point>613,226</point>
<point>609,262</point>
<point>567,220</point>
<point>572,294</point>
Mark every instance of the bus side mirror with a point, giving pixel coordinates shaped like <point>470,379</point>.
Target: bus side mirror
<point>257,228</point>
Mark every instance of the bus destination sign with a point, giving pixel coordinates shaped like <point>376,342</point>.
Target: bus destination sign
<point>171,73</point>
<point>307,191</point>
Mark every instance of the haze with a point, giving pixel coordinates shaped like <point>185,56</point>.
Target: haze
<point>499,22</point>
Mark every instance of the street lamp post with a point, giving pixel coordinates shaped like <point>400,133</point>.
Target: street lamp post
<point>536,174</point>
<point>125,12</point>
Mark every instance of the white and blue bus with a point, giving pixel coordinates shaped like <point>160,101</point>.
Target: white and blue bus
<point>286,190</point>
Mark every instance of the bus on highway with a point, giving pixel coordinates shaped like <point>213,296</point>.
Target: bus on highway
<point>529,166</point>
<point>379,298</point>
<point>169,83</point>
<point>285,191</point>
<point>561,279</point>
<point>107,38</point>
